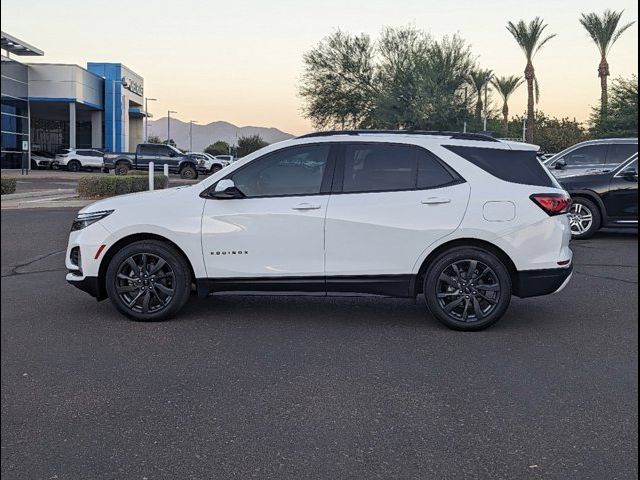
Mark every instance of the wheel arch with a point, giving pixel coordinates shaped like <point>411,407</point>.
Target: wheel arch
<point>128,240</point>
<point>418,280</point>
<point>594,197</point>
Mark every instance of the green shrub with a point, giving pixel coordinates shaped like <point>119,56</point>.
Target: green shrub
<point>139,173</point>
<point>91,186</point>
<point>8,185</point>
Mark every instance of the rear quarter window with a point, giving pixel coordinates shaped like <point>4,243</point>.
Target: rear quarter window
<point>515,166</point>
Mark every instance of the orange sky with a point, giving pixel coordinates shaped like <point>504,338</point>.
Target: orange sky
<point>241,61</point>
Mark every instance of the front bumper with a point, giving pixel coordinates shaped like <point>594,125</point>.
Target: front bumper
<point>535,283</point>
<point>90,285</point>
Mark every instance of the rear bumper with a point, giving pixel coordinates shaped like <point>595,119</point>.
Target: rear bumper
<point>534,283</point>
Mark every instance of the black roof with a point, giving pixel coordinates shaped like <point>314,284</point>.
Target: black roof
<point>453,135</point>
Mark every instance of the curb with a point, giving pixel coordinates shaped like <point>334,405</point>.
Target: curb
<point>38,193</point>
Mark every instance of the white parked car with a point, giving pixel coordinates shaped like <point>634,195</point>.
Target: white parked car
<point>75,160</point>
<point>464,219</point>
<point>210,163</point>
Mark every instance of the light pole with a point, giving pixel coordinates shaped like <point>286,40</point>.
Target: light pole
<point>113,113</point>
<point>191,122</point>
<point>169,112</point>
<point>146,117</point>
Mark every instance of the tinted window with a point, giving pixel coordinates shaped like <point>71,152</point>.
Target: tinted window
<point>292,171</point>
<point>585,156</point>
<point>379,168</point>
<point>516,166</point>
<point>619,152</point>
<point>154,150</point>
<point>431,173</point>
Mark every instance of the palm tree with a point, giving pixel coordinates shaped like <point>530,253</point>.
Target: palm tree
<point>505,86</point>
<point>478,79</point>
<point>604,30</point>
<point>530,39</point>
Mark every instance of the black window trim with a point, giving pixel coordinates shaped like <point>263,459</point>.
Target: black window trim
<point>338,187</point>
<point>325,185</point>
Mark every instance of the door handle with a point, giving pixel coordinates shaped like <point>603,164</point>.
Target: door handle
<point>436,201</point>
<point>307,206</point>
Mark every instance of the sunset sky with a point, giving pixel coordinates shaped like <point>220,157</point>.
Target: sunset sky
<point>241,60</point>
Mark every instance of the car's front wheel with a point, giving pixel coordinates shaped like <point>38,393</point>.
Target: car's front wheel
<point>188,172</point>
<point>467,288</point>
<point>148,281</point>
<point>584,218</point>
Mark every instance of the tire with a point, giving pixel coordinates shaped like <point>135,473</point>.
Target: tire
<point>122,168</point>
<point>158,296</point>
<point>585,218</point>
<point>459,300</point>
<point>188,172</point>
<point>74,166</point>
<point>215,169</point>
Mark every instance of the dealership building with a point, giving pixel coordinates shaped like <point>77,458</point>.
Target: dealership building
<point>48,107</point>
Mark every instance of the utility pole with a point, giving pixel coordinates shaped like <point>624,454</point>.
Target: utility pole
<point>169,112</point>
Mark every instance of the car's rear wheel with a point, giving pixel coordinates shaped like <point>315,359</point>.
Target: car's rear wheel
<point>74,166</point>
<point>188,172</point>
<point>216,168</point>
<point>148,281</point>
<point>467,288</point>
<point>122,168</point>
<point>584,218</point>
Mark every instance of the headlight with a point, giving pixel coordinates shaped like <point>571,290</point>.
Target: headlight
<point>83,220</point>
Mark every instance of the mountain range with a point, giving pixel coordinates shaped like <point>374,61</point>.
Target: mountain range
<point>205,135</point>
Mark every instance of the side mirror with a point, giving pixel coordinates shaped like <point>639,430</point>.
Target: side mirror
<point>560,164</point>
<point>631,175</point>
<point>225,190</point>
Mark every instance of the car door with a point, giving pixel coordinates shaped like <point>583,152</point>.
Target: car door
<point>92,158</point>
<point>619,153</point>
<point>146,154</point>
<point>393,202</point>
<point>621,201</point>
<point>276,231</point>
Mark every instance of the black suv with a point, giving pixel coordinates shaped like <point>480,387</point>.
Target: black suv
<point>593,155</point>
<point>603,198</point>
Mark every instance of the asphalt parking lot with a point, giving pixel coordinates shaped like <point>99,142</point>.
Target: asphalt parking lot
<point>311,388</point>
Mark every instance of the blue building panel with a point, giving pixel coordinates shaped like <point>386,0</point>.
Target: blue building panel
<point>113,125</point>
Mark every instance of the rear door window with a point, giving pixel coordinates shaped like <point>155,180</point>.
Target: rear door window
<point>515,166</point>
<point>620,152</point>
<point>432,173</point>
<point>379,168</point>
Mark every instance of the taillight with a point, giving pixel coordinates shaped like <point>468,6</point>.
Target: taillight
<point>553,203</point>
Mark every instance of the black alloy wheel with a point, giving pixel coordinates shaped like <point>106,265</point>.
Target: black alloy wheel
<point>148,280</point>
<point>145,283</point>
<point>468,289</point>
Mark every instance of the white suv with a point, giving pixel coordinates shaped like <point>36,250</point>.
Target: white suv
<point>464,219</point>
<point>75,160</point>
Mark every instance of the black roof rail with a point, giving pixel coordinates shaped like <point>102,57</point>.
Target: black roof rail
<point>453,135</point>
